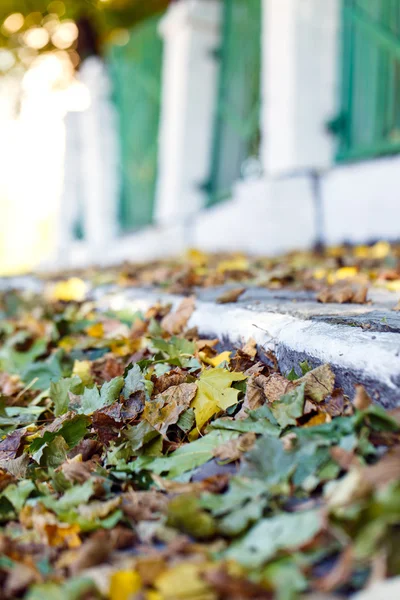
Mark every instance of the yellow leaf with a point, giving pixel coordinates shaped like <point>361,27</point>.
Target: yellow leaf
<point>240,263</point>
<point>61,534</point>
<point>214,393</point>
<point>318,419</point>
<point>196,257</point>
<point>346,273</point>
<point>319,273</point>
<point>184,581</point>
<point>393,286</point>
<point>216,360</point>
<point>380,250</point>
<point>124,584</point>
<point>69,290</point>
<point>82,368</point>
<point>96,331</point>
<point>152,595</point>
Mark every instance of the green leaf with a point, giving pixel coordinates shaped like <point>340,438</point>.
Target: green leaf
<point>44,371</point>
<point>74,496</point>
<point>242,505</point>
<point>73,431</point>
<point>282,532</point>
<point>187,457</point>
<point>134,382</point>
<point>269,461</point>
<point>141,434</point>
<point>110,390</point>
<point>185,513</point>
<point>259,421</point>
<point>17,494</point>
<point>74,589</point>
<point>290,407</point>
<point>186,420</point>
<point>59,393</point>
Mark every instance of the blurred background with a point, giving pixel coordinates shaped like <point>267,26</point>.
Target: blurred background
<point>133,129</point>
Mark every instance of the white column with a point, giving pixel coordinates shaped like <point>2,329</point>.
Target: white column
<point>191,33</point>
<point>300,83</point>
<point>98,159</point>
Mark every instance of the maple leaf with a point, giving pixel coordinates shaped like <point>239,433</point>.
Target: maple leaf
<point>215,393</point>
<point>166,408</point>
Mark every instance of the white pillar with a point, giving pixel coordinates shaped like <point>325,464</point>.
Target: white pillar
<point>98,160</point>
<point>191,33</point>
<point>300,91</point>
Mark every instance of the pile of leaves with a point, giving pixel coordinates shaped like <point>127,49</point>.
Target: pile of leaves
<point>337,274</point>
<point>140,461</point>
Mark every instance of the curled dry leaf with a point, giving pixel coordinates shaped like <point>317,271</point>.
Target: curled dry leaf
<point>175,322</point>
<point>231,295</point>
<point>361,399</point>
<point>233,450</point>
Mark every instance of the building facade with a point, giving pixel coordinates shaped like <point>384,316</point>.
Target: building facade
<point>254,125</point>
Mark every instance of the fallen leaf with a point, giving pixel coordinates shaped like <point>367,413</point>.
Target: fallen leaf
<point>73,289</point>
<point>361,399</point>
<point>319,383</point>
<point>234,449</point>
<point>184,581</point>
<point>175,322</point>
<point>166,408</point>
<point>231,295</point>
<point>124,584</point>
<point>214,393</point>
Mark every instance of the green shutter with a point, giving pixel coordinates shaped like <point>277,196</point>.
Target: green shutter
<point>237,122</point>
<point>370,121</point>
<point>136,75</point>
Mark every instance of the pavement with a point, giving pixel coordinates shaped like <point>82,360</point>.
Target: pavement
<point>360,341</point>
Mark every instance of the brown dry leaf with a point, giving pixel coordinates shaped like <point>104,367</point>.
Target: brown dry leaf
<point>234,449</point>
<point>344,293</point>
<point>384,471</point>
<point>230,587</point>
<point>231,295</point>
<point>107,422</point>
<point>86,448</point>
<point>319,383</point>
<point>261,389</point>
<point>163,382</point>
<point>175,322</point>
<point>10,384</point>
<point>255,396</point>
<point>345,459</point>
<point>340,573</point>
<point>397,307</point>
<point>19,579</point>
<point>144,506</point>
<point>10,446</point>
<point>16,466</point>
<point>276,386</point>
<point>5,478</point>
<point>77,471</point>
<point>250,348</point>
<point>166,409</point>
<point>361,399</point>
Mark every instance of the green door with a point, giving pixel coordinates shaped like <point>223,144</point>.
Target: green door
<point>237,120</point>
<point>369,124</point>
<point>136,74</point>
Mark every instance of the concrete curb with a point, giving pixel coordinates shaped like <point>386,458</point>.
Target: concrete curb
<point>356,355</point>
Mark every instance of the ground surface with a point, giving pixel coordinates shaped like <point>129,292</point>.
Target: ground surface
<point>207,450</point>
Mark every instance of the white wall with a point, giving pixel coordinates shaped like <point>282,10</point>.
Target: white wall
<point>361,201</point>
